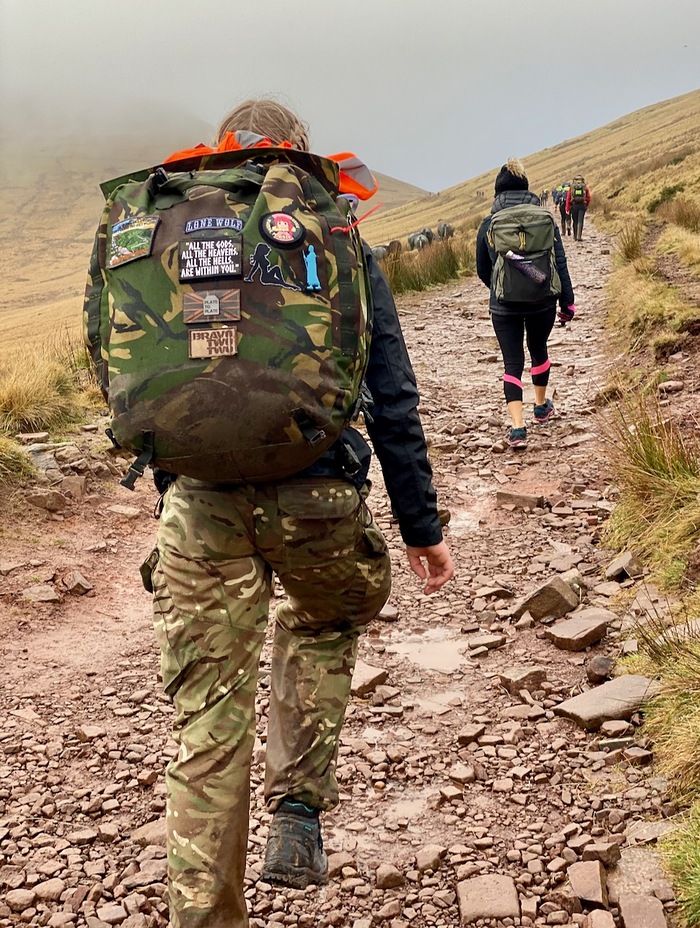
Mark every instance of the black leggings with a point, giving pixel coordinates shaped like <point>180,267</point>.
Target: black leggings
<point>565,220</point>
<point>578,211</point>
<point>510,329</point>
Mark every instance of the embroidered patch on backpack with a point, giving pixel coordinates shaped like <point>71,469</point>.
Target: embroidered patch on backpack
<point>213,222</point>
<point>213,343</point>
<point>131,239</point>
<point>270,275</point>
<point>211,306</point>
<point>281,229</point>
<point>205,258</point>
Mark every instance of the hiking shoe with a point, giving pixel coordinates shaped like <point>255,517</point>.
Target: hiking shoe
<point>544,412</point>
<point>294,855</point>
<point>518,438</point>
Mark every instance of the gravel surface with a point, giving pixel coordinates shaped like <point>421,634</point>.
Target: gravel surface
<point>465,796</point>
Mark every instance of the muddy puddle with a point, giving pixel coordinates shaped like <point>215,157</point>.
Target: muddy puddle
<point>438,649</point>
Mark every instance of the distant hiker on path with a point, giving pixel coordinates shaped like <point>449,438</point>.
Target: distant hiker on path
<point>560,200</point>
<point>520,257</point>
<point>577,200</point>
<point>220,545</point>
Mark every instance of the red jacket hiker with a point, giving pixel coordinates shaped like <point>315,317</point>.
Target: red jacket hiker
<point>586,196</point>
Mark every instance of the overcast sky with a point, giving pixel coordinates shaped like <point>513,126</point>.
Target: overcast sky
<point>429,91</point>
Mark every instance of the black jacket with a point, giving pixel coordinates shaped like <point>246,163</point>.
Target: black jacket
<point>396,431</point>
<point>486,258</point>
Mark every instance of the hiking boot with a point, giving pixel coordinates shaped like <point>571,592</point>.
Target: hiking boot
<point>517,438</point>
<point>543,412</point>
<point>294,855</point>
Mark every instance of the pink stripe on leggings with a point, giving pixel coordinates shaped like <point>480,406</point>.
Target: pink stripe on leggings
<point>541,368</point>
<point>510,379</point>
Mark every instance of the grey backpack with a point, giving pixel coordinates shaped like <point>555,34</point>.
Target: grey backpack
<point>525,270</point>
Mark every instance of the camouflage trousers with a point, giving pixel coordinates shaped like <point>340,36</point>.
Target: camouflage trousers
<point>217,552</point>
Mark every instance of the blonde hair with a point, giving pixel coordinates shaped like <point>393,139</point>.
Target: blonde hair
<point>516,167</point>
<point>267,117</point>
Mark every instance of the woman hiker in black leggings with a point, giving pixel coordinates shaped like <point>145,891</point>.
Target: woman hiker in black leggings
<point>532,321</point>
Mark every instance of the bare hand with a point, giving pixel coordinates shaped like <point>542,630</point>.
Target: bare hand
<point>440,568</point>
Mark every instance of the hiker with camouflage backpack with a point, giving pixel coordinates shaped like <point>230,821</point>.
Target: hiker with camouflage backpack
<point>521,259</point>
<point>229,289</point>
<point>578,199</point>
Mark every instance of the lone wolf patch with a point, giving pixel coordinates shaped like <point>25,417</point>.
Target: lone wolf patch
<point>213,222</point>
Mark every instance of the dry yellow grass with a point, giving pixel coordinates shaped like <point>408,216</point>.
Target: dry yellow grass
<point>15,463</point>
<point>640,304</point>
<point>37,393</point>
<point>684,244</point>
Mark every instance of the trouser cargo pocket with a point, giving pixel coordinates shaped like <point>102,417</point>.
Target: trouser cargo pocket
<point>146,570</point>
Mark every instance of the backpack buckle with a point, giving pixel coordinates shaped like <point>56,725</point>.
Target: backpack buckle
<point>110,434</point>
<point>138,466</point>
<point>311,432</point>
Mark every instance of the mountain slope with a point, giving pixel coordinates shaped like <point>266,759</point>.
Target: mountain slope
<point>623,162</point>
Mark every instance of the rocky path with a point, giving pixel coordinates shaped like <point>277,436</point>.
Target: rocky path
<point>474,787</point>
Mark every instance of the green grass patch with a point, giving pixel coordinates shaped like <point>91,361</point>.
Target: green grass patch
<point>657,472</point>
<point>664,195</point>
<point>681,851</point>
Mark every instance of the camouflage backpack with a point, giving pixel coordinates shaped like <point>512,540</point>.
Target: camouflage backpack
<point>228,314</point>
<point>525,269</point>
<point>578,190</point>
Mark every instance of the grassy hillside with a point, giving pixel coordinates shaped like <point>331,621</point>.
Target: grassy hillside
<point>50,206</point>
<point>392,193</point>
<point>626,163</point>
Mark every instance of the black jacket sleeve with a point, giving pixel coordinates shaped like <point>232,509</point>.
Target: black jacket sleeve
<point>566,297</point>
<point>396,431</point>
<point>484,264</point>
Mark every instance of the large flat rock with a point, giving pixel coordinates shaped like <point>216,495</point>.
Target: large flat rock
<point>641,911</point>
<point>581,630</point>
<point>617,699</point>
<point>587,879</point>
<point>554,598</point>
<point>366,679</point>
<point>491,896</point>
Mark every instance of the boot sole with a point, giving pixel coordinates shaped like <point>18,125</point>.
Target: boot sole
<point>298,878</point>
